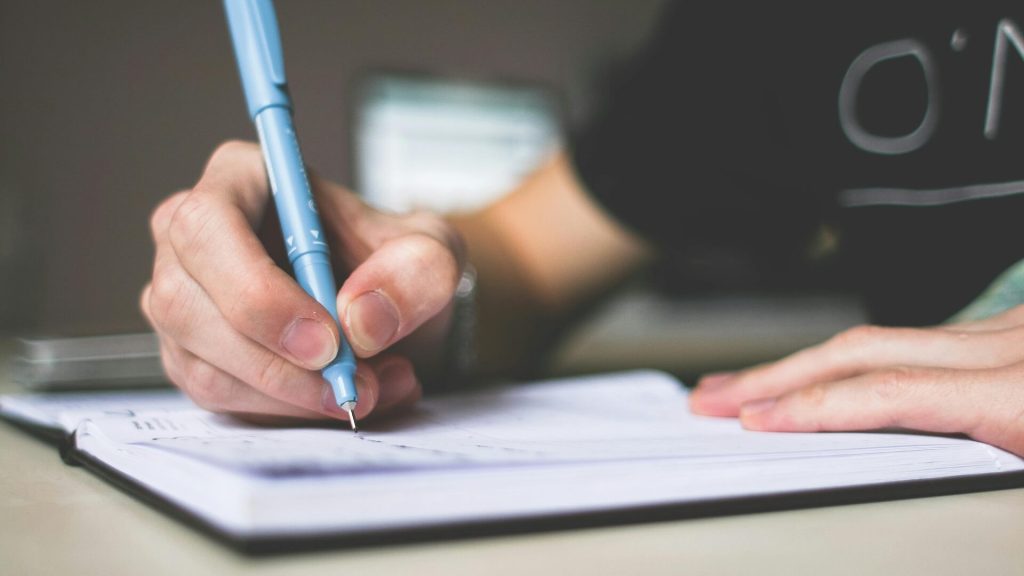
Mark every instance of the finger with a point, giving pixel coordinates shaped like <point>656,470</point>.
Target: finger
<point>144,303</point>
<point>160,219</point>
<point>405,267</point>
<point>159,223</point>
<point>187,370</point>
<point>407,281</point>
<point>856,351</point>
<point>211,234</point>
<point>399,386</point>
<point>168,359</point>
<point>184,313</point>
<point>217,391</point>
<point>236,173</point>
<point>353,228</point>
<point>385,387</point>
<point>356,230</point>
<point>985,404</point>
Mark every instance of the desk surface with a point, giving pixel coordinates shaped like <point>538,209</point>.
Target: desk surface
<point>56,519</point>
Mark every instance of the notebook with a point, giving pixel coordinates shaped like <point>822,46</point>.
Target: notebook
<point>572,452</point>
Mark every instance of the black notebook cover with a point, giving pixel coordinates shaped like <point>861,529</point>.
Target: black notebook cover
<point>288,543</point>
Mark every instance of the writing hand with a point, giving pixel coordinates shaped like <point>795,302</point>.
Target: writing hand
<point>959,378</point>
<point>239,335</point>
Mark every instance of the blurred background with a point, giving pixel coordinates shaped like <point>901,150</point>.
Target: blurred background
<point>110,105</point>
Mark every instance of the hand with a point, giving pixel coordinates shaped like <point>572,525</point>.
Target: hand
<point>960,378</point>
<point>239,335</point>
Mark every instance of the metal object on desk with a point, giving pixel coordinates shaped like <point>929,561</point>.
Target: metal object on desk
<point>88,362</point>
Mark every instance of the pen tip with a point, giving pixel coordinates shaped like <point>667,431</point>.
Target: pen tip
<point>352,419</point>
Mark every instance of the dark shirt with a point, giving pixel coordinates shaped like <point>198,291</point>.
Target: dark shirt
<point>741,131</point>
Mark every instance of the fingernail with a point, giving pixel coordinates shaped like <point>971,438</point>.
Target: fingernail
<point>328,403</point>
<point>715,381</point>
<point>366,403</point>
<point>310,342</point>
<point>397,381</point>
<point>756,407</point>
<point>372,321</point>
<point>367,397</point>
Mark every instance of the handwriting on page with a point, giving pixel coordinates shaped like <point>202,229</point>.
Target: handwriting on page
<point>575,423</point>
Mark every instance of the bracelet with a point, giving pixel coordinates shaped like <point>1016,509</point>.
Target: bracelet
<point>460,344</point>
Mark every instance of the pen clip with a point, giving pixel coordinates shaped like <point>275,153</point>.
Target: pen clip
<point>257,43</point>
<point>268,40</point>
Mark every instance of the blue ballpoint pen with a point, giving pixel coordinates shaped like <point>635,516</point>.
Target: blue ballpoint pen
<point>257,45</point>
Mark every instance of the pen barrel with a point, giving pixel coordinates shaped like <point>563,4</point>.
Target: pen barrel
<point>254,34</point>
<point>303,235</point>
<point>313,273</point>
<point>289,184</point>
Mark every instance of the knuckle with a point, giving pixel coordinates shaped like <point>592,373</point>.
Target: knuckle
<point>205,386</point>
<point>857,336</point>
<point>437,271</point>
<point>144,296</point>
<point>160,219</point>
<point>232,148</point>
<point>237,154</point>
<point>434,259</point>
<point>249,310</point>
<point>895,383</point>
<point>427,222</point>
<point>186,227</point>
<point>169,295</point>
<point>441,230</point>
<point>812,397</point>
<point>275,377</point>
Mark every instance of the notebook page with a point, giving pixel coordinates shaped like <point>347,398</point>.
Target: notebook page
<point>532,449</point>
<point>65,410</point>
<point>581,420</point>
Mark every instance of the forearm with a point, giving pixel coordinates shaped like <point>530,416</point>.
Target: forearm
<point>508,313</point>
<point>541,253</point>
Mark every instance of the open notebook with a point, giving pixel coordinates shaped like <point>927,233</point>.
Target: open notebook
<point>610,448</point>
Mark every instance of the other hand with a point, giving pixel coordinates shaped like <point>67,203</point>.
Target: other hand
<point>959,378</point>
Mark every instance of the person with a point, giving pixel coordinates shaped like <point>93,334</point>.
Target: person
<point>743,132</point>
